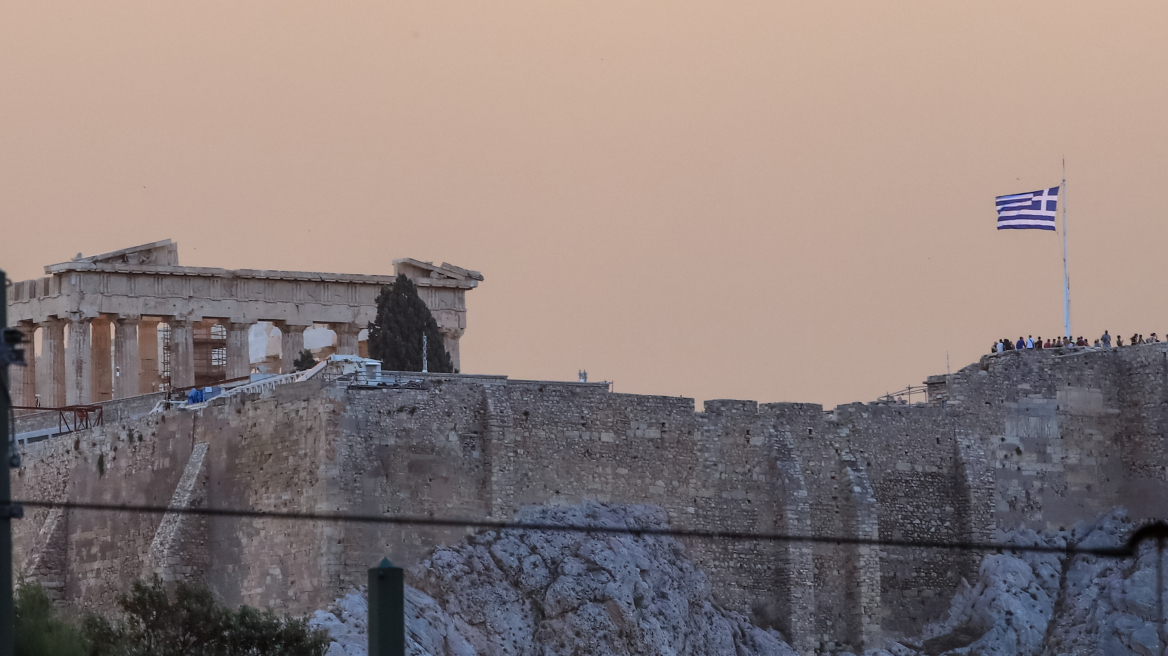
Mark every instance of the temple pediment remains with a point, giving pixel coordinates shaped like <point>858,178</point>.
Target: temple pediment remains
<point>205,317</point>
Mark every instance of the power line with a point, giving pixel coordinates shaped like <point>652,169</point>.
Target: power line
<point>1157,530</point>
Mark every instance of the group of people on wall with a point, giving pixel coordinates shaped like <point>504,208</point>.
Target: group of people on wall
<point>1103,341</point>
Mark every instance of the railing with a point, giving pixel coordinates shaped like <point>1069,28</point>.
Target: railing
<point>382,379</point>
<point>904,395</point>
<point>258,387</point>
<point>72,418</point>
<point>262,385</point>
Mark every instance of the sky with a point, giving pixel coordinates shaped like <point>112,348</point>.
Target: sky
<point>758,200</point>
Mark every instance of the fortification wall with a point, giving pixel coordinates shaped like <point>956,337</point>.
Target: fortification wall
<point>274,453</point>
<point>87,554</point>
<point>1070,435</point>
<point>1040,439</point>
<point>713,470</point>
<point>488,448</point>
<point>908,455</point>
<point>421,453</point>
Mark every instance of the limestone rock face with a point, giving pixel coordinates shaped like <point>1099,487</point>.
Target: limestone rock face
<point>550,593</point>
<point>1007,611</point>
<point>1047,604</point>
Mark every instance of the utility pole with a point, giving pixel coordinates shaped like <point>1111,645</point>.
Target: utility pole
<point>10,353</point>
<point>1066,276</point>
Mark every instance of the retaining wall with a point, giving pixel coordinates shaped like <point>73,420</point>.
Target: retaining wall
<point>1042,439</point>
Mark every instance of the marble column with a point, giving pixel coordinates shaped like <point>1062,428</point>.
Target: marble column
<point>450,339</point>
<point>347,337</point>
<point>25,386</point>
<point>182,353</point>
<point>291,344</point>
<point>238,350</point>
<point>149,377</point>
<point>79,362</point>
<point>102,385</point>
<point>126,356</point>
<point>52,365</point>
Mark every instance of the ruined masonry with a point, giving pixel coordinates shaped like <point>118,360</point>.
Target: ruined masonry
<point>207,316</point>
<point>1035,439</point>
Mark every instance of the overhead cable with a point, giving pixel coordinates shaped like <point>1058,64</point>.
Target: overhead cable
<point>1157,530</point>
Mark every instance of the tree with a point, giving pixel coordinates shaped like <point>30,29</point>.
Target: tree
<point>395,336</point>
<point>39,630</point>
<point>194,625</point>
<point>304,361</point>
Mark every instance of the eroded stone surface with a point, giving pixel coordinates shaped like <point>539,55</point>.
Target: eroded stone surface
<point>1046,604</point>
<point>550,593</point>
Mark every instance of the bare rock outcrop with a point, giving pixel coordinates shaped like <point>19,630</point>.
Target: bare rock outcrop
<point>550,593</point>
<point>1031,604</point>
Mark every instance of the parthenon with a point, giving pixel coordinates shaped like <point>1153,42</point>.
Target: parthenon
<point>206,315</point>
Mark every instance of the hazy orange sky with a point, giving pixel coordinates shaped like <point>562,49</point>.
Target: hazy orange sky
<point>762,200</point>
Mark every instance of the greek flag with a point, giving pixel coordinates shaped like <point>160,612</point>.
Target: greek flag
<point>1030,211</point>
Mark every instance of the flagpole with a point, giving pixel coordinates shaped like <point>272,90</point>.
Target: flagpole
<point>1066,277</point>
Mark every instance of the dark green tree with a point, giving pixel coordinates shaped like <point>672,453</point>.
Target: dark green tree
<point>395,336</point>
<point>304,361</point>
<point>194,625</point>
<point>39,630</point>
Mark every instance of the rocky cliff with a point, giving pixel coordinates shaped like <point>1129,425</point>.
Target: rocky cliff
<point>1031,604</point>
<point>562,593</point>
<point>552,593</point>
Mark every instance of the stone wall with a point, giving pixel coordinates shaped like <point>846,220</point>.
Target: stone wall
<point>137,461</point>
<point>1042,439</point>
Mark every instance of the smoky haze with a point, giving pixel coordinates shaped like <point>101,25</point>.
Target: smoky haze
<point>762,200</point>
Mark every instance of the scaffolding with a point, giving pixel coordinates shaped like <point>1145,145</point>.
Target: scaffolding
<point>210,353</point>
<point>164,360</point>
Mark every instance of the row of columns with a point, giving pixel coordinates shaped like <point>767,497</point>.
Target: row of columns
<point>83,373</point>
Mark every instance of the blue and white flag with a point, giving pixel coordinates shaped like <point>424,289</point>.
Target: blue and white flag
<point>1035,210</point>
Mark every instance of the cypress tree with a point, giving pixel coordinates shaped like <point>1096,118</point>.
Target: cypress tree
<point>395,335</point>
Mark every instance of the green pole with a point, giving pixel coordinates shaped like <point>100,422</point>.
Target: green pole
<point>8,353</point>
<point>387,610</point>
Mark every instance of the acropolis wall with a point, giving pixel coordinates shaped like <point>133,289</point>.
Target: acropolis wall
<point>1040,439</point>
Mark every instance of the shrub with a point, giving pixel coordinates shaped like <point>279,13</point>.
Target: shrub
<point>194,625</point>
<point>38,629</point>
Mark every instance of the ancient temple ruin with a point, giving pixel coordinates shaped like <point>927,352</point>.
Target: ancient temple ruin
<point>99,320</point>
